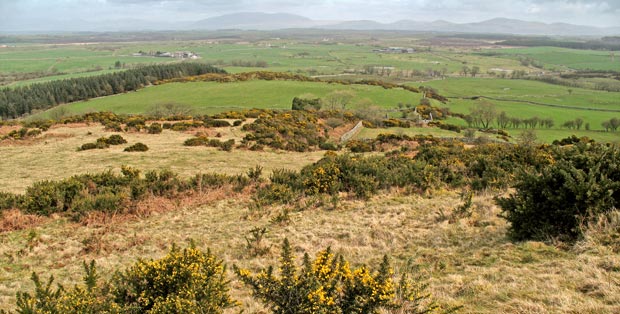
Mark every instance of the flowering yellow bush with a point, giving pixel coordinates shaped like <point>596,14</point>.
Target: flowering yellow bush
<point>325,285</point>
<point>184,281</point>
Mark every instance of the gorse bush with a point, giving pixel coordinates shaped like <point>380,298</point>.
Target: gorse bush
<point>137,147</point>
<point>196,141</point>
<point>104,142</point>
<point>184,281</point>
<point>325,285</point>
<point>115,139</point>
<point>192,281</point>
<point>109,192</point>
<point>328,285</point>
<point>555,201</point>
<point>155,128</point>
<point>294,131</point>
<point>9,201</point>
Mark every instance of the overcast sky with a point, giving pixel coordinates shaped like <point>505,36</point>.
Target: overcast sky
<point>586,12</point>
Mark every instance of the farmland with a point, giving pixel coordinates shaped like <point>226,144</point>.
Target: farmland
<point>211,97</point>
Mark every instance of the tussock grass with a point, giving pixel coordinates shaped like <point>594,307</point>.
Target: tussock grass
<point>468,262</point>
<point>54,156</point>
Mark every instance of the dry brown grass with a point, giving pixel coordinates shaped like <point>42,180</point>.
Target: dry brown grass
<point>469,262</point>
<point>55,156</point>
<point>467,259</point>
<point>14,219</point>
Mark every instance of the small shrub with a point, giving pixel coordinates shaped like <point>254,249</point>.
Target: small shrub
<point>89,146</point>
<point>137,147</point>
<point>255,173</point>
<point>328,146</point>
<point>237,122</point>
<point>359,146</point>
<point>115,139</point>
<point>196,141</point>
<point>9,201</point>
<point>325,285</point>
<point>227,145</point>
<point>276,193</point>
<point>212,123</point>
<point>113,126</point>
<point>155,128</point>
<point>190,279</point>
<point>33,133</point>
<point>254,242</point>
<point>257,147</point>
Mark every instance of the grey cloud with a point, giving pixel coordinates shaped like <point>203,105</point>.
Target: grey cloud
<point>597,12</point>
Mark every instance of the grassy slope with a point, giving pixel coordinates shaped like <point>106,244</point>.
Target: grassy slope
<point>469,262</point>
<point>55,156</point>
<point>210,97</point>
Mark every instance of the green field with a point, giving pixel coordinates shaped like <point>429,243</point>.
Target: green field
<point>65,60</point>
<point>344,58</point>
<point>564,58</point>
<point>211,97</point>
<point>295,56</point>
<point>534,91</point>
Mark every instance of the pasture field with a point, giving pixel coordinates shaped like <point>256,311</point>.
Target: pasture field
<point>578,103</point>
<point>367,133</point>
<point>212,97</point>
<point>293,55</point>
<point>555,58</point>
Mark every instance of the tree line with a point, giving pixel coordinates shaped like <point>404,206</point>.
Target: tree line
<point>485,114</point>
<point>15,102</point>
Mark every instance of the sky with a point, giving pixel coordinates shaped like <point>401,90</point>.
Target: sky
<point>25,14</point>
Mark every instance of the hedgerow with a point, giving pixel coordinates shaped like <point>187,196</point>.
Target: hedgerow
<point>109,192</point>
<point>22,134</point>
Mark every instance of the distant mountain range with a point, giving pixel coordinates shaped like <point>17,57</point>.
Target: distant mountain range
<point>276,21</point>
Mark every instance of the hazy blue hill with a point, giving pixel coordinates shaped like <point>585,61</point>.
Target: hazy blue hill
<point>255,20</point>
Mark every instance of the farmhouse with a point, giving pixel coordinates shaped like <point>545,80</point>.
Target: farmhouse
<point>395,50</point>
<point>166,54</point>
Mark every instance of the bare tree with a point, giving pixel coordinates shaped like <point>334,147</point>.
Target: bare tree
<point>578,123</point>
<point>170,109</point>
<point>474,71</point>
<point>484,113</point>
<point>502,120</point>
<point>334,122</point>
<point>465,70</point>
<point>339,99</point>
<point>527,138</point>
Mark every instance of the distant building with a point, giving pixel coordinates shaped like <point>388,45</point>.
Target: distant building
<point>395,50</point>
<point>166,54</point>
